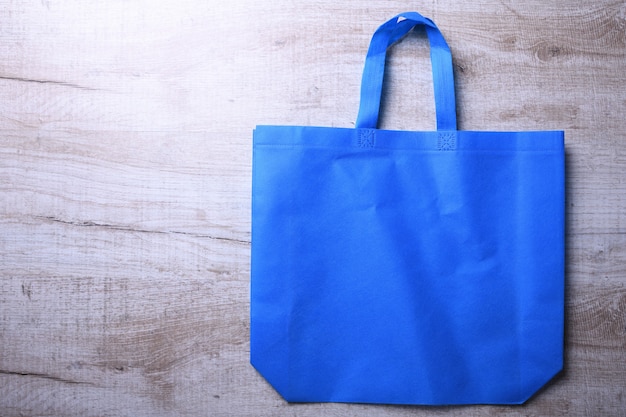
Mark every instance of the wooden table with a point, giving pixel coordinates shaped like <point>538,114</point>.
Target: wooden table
<point>125,167</point>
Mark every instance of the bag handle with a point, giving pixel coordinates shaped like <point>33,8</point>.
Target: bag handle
<point>373,73</point>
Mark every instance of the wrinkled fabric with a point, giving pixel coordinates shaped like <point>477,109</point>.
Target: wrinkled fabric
<point>407,267</point>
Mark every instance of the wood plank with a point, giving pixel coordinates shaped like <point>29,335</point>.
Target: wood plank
<point>125,163</point>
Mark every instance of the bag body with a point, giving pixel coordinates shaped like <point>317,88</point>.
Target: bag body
<point>407,267</point>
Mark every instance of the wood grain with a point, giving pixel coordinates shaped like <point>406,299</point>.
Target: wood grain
<point>125,165</point>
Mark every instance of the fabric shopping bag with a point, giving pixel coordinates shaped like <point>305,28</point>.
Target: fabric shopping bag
<point>405,267</point>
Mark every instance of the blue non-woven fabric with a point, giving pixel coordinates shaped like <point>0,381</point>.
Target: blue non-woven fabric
<point>407,267</point>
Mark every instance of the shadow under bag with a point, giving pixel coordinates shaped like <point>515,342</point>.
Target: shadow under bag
<point>407,267</point>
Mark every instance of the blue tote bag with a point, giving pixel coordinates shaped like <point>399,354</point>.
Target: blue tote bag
<point>406,267</point>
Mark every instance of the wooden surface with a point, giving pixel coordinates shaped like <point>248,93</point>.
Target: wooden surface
<point>125,167</point>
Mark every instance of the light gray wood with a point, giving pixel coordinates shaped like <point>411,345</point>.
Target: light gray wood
<point>125,165</point>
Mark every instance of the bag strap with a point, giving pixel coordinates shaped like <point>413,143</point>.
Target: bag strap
<point>373,73</point>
